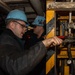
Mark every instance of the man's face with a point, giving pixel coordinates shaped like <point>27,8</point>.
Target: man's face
<point>19,28</point>
<point>37,29</point>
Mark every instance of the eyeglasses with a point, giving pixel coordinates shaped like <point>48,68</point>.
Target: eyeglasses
<point>23,26</point>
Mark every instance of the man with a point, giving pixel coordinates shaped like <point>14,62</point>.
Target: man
<point>32,38</point>
<point>14,60</point>
<point>38,32</point>
<point>39,27</point>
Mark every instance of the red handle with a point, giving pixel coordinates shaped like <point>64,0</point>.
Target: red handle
<point>61,37</point>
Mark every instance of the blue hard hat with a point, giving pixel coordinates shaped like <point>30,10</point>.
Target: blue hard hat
<point>39,21</point>
<point>17,15</point>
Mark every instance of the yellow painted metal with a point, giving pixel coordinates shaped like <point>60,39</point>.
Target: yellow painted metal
<point>49,16</point>
<point>66,70</point>
<point>50,63</point>
<point>66,18</point>
<point>63,53</point>
<point>51,34</point>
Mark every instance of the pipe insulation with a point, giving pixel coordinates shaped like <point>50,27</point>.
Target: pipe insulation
<point>37,7</point>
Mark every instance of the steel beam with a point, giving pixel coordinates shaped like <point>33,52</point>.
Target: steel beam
<point>63,6</point>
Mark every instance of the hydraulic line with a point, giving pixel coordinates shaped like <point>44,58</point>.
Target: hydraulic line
<point>62,67</point>
<point>70,61</point>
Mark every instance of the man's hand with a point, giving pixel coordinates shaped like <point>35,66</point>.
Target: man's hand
<point>52,41</point>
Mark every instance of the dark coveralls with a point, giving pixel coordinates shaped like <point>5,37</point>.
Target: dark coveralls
<point>14,60</point>
<point>31,39</point>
